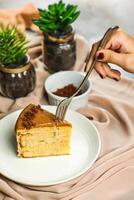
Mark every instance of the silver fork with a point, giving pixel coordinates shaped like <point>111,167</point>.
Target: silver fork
<point>63,105</point>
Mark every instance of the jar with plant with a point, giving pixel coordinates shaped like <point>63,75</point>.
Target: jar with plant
<point>59,42</point>
<point>17,74</point>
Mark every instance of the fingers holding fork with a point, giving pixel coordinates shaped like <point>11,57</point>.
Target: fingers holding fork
<point>102,68</point>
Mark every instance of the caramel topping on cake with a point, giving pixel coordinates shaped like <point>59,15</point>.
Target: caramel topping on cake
<point>29,116</point>
<point>35,116</point>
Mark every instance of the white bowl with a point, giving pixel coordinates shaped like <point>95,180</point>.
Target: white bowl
<point>61,79</point>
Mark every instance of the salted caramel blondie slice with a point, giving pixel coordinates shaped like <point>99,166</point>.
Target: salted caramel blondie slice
<point>38,134</point>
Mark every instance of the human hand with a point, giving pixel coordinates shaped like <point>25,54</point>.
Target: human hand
<point>120,51</point>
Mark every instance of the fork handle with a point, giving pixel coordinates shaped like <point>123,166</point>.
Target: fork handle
<point>102,44</point>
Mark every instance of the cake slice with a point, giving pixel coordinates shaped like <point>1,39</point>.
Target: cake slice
<point>38,134</point>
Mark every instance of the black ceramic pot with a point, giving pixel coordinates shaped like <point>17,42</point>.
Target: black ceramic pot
<point>59,51</point>
<point>17,81</point>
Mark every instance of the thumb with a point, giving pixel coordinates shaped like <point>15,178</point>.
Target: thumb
<point>109,56</point>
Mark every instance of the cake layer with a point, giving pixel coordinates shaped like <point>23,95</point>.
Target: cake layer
<point>44,142</point>
<point>47,150</point>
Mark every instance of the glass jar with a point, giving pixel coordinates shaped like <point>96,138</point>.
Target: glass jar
<point>17,81</point>
<point>59,51</point>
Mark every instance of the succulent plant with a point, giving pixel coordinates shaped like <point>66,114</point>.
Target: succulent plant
<point>13,45</point>
<point>57,18</point>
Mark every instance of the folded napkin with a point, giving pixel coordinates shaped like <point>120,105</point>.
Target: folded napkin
<point>111,108</point>
<point>21,17</point>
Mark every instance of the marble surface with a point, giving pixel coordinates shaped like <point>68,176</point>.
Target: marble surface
<point>96,15</point>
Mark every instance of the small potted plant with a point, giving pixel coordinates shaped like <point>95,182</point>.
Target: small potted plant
<point>59,42</point>
<point>17,74</point>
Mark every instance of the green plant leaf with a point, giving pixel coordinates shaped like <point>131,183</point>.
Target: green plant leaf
<point>74,17</point>
<point>51,9</point>
<point>13,45</point>
<point>58,17</point>
<point>61,7</point>
<point>44,14</point>
<point>45,20</point>
<point>70,11</point>
<point>45,29</point>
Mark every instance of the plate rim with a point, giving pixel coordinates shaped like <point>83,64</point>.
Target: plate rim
<point>40,183</point>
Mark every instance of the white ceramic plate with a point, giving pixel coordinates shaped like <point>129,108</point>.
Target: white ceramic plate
<point>85,147</point>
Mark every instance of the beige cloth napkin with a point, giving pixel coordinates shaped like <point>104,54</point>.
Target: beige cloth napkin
<point>21,17</point>
<point>111,105</point>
